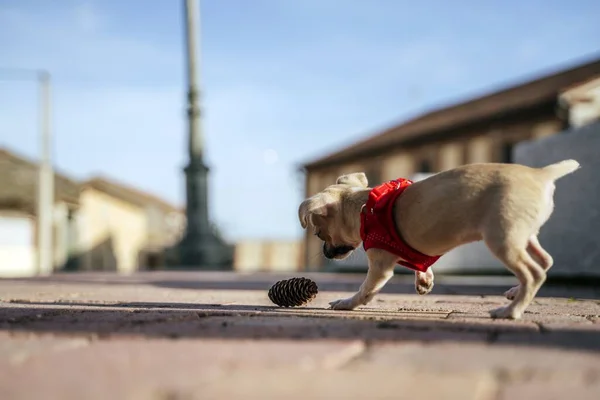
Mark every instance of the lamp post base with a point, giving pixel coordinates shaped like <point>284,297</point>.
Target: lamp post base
<point>206,252</point>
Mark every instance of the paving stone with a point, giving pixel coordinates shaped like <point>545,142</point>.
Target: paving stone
<point>179,381</point>
<point>558,389</point>
<point>113,368</point>
<point>568,305</point>
<point>365,383</point>
<point>509,360</point>
<point>16,349</point>
<point>174,335</point>
<point>566,326</point>
<point>572,339</point>
<point>549,318</point>
<point>485,323</point>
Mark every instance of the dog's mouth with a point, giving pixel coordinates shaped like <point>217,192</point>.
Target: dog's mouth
<point>336,252</point>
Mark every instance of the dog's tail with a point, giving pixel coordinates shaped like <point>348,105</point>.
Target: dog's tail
<point>560,169</point>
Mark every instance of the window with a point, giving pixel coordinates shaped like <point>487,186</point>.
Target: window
<point>506,155</point>
<point>373,176</point>
<point>424,166</point>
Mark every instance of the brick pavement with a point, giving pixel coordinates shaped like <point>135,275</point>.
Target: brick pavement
<point>216,336</point>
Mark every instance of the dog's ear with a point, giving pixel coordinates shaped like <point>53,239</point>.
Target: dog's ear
<point>315,205</point>
<point>354,179</point>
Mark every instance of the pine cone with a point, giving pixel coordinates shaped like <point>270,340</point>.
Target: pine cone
<point>293,292</point>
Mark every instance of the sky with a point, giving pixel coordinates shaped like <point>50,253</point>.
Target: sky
<point>283,82</point>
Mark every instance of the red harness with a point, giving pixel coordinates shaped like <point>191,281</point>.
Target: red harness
<point>378,230</point>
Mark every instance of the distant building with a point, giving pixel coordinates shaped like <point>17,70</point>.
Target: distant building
<point>18,211</point>
<point>484,129</point>
<point>124,229</point>
<point>268,255</point>
<point>104,225</point>
<point>99,225</point>
<point>583,101</point>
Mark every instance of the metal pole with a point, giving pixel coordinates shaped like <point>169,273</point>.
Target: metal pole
<point>192,11</point>
<point>45,187</point>
<point>200,247</point>
<point>46,181</point>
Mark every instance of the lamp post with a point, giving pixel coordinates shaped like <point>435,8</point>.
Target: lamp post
<point>200,246</point>
<point>45,193</point>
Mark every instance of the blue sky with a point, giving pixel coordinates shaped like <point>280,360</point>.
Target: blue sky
<point>283,82</point>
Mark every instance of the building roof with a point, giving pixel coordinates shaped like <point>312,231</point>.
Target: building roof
<point>18,184</point>
<point>129,194</point>
<point>18,187</point>
<point>526,95</point>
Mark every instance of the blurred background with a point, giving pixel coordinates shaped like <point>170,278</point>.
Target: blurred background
<point>146,135</point>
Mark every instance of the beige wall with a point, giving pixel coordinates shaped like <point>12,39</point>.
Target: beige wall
<point>479,150</point>
<point>397,165</point>
<point>61,235</point>
<point>312,184</point>
<point>165,228</point>
<point>346,169</point>
<point>257,255</point>
<point>110,229</point>
<point>450,156</point>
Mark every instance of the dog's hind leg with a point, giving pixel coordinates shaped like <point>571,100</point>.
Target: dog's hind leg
<point>381,270</point>
<point>541,256</point>
<point>508,241</point>
<point>531,276</point>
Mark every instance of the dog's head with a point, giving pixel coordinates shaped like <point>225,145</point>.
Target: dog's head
<point>334,215</point>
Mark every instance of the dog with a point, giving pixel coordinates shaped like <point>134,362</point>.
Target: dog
<point>504,205</point>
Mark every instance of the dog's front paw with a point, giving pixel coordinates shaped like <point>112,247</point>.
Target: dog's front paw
<point>507,312</point>
<point>512,292</point>
<point>424,282</point>
<point>424,288</point>
<point>343,304</point>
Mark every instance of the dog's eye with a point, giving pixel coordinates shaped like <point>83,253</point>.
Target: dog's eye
<point>318,233</point>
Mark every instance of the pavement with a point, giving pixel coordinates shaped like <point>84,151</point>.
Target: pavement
<point>192,335</point>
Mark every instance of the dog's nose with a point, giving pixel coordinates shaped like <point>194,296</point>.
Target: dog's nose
<point>331,252</point>
<point>328,252</point>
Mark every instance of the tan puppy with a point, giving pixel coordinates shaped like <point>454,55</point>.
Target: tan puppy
<point>503,204</point>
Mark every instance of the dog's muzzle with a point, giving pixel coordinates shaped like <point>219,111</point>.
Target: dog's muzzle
<point>333,252</point>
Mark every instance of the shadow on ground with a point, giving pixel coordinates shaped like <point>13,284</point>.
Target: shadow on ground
<point>214,321</point>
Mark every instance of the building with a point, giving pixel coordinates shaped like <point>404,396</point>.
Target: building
<point>268,255</point>
<point>583,101</point>
<point>104,225</point>
<point>483,129</point>
<point>18,211</point>
<point>124,229</point>
<point>99,225</point>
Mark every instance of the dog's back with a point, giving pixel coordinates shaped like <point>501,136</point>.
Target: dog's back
<point>433,210</point>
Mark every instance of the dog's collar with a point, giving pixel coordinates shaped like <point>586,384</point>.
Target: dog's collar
<point>382,189</point>
<point>378,191</point>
